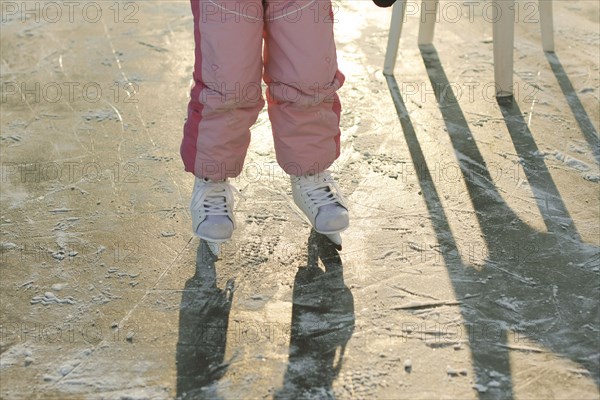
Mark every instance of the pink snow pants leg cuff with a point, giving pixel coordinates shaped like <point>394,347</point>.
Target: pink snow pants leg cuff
<point>227,96</point>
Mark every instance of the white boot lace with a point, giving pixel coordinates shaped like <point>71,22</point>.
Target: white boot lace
<point>214,197</point>
<point>318,188</point>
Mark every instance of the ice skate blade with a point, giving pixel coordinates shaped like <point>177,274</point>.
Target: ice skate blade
<point>336,239</point>
<point>214,247</point>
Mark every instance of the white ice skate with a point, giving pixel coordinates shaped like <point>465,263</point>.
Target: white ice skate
<point>320,199</point>
<point>212,212</point>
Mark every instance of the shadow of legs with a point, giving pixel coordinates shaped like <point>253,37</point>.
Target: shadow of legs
<point>322,324</point>
<point>203,324</point>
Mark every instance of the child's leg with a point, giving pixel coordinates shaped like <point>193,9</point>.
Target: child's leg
<point>302,75</point>
<point>225,101</point>
<point>226,97</point>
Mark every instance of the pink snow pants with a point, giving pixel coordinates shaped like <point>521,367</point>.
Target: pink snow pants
<point>302,77</point>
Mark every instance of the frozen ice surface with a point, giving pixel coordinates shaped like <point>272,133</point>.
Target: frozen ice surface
<point>472,260</point>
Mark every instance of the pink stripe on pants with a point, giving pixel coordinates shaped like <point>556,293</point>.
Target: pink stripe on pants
<point>300,70</point>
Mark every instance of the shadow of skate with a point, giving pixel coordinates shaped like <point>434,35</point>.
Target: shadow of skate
<point>322,324</point>
<point>203,324</point>
<point>581,116</point>
<point>526,295</point>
